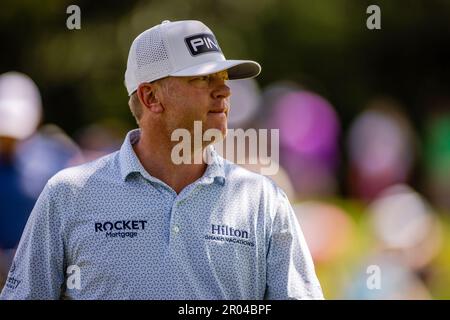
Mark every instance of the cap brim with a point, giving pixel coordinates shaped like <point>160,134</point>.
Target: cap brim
<point>237,69</point>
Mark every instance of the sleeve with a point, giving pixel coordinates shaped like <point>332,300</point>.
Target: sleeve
<point>37,271</point>
<point>290,268</point>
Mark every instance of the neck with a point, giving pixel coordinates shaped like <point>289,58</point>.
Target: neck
<point>154,152</point>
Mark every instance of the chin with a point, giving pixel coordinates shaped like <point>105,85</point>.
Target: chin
<point>220,123</point>
<point>222,128</point>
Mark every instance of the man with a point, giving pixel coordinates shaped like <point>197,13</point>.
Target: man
<point>135,225</point>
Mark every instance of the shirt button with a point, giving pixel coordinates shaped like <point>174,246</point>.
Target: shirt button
<point>176,229</point>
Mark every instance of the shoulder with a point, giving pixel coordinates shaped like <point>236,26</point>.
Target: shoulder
<point>239,176</point>
<point>261,193</point>
<point>71,188</point>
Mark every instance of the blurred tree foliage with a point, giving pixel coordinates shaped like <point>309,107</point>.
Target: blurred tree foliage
<point>324,45</point>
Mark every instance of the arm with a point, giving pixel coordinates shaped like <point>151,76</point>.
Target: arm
<point>37,270</point>
<point>290,269</point>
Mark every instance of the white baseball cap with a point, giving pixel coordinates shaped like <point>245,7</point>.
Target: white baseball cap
<point>20,105</point>
<point>180,48</point>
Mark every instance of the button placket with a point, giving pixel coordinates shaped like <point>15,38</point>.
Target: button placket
<point>175,226</point>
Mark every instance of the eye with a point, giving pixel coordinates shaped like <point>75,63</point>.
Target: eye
<point>201,78</point>
<point>200,81</point>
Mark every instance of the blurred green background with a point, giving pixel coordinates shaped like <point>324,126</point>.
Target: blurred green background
<point>323,44</point>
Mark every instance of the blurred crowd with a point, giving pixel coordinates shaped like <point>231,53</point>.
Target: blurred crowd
<point>373,199</point>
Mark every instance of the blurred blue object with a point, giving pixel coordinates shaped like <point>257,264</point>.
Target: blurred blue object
<point>15,205</point>
<point>44,154</point>
<point>24,174</point>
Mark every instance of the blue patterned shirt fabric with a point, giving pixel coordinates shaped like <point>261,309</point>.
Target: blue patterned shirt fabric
<point>125,234</point>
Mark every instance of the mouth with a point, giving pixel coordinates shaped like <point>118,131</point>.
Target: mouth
<point>221,111</point>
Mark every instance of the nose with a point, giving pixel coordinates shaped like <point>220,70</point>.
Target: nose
<point>221,91</point>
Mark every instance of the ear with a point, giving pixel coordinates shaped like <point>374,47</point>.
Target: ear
<point>147,96</point>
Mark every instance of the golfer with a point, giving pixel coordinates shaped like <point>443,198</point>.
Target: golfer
<point>137,225</point>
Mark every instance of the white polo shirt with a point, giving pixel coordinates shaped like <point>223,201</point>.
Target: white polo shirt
<point>109,230</point>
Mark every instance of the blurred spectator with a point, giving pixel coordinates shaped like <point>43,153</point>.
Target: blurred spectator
<point>42,155</point>
<point>97,140</point>
<point>28,158</point>
<point>268,100</point>
<point>382,147</point>
<point>405,223</point>
<point>20,113</point>
<point>397,281</point>
<point>309,133</point>
<point>407,237</point>
<point>328,229</point>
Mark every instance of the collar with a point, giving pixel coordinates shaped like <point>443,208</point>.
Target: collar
<point>129,162</point>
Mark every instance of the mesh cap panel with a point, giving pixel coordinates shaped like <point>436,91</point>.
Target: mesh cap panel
<point>152,59</point>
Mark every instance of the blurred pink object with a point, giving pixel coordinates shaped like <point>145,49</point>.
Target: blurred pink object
<point>309,132</point>
<point>308,124</point>
<point>381,148</point>
<point>329,230</point>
